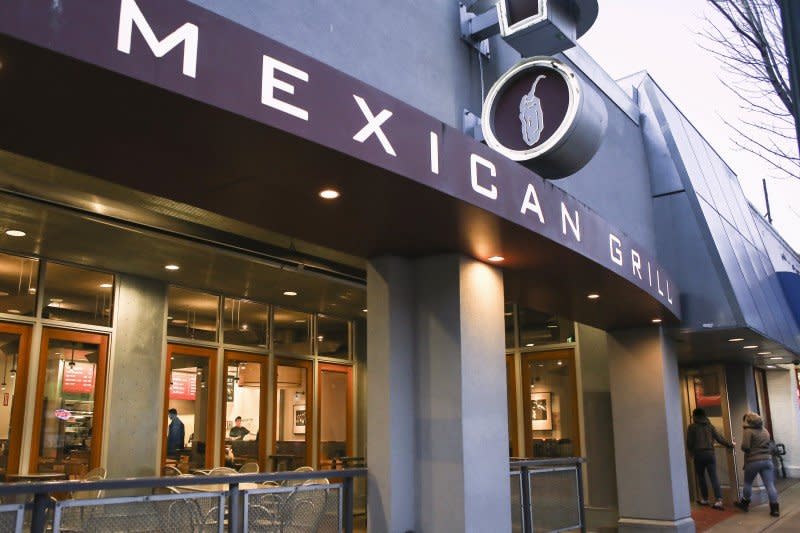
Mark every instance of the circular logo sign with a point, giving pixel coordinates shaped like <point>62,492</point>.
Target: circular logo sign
<point>535,109</point>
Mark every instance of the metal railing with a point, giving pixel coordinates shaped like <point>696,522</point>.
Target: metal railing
<point>298,501</point>
<point>547,495</point>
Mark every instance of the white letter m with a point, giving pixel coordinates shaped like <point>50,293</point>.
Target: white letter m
<point>130,14</point>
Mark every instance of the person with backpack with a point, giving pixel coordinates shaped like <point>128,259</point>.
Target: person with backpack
<point>700,438</point>
<point>757,446</point>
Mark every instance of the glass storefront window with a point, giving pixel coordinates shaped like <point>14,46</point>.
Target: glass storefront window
<point>70,407</point>
<point>78,295</point>
<point>245,323</point>
<point>541,329</point>
<point>333,337</point>
<point>192,314</point>
<point>18,279</point>
<point>551,404</point>
<point>291,333</point>
<point>509,320</point>
<point>242,430</point>
<point>14,344</point>
<point>334,414</point>
<point>292,416</point>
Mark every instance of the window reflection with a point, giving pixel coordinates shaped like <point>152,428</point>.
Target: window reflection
<point>539,329</point>
<point>242,412</point>
<point>291,332</point>
<point>333,337</point>
<point>192,314</point>
<point>77,295</point>
<point>245,323</point>
<point>18,279</point>
<point>551,405</point>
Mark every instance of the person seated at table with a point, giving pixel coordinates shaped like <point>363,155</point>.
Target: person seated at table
<point>238,431</point>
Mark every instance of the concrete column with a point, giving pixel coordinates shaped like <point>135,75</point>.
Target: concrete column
<point>436,369</point>
<point>135,399</point>
<point>652,483</point>
<point>785,409</point>
<point>390,396</point>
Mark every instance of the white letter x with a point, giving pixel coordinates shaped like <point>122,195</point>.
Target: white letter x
<point>373,126</point>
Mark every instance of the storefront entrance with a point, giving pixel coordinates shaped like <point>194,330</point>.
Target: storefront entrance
<point>14,346</point>
<point>706,388</point>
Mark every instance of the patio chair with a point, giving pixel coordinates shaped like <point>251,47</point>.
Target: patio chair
<point>249,468</point>
<point>222,471</point>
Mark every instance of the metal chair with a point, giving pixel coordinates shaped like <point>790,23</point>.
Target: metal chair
<point>222,471</point>
<point>297,482</point>
<point>249,468</point>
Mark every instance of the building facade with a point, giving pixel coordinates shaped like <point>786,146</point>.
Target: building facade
<point>314,216</point>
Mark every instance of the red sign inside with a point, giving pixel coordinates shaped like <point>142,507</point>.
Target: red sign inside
<point>79,379</point>
<point>183,386</point>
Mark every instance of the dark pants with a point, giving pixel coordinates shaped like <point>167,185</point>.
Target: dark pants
<point>766,470</point>
<point>705,461</point>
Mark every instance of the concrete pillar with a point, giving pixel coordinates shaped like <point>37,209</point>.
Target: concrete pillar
<point>652,483</point>
<point>785,409</point>
<point>436,369</point>
<point>135,397</point>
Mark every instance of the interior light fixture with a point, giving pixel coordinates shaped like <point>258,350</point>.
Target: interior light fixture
<point>552,326</point>
<point>15,233</point>
<point>56,300</point>
<point>32,290</point>
<point>771,366</point>
<point>593,296</point>
<point>560,363</point>
<point>497,258</point>
<point>172,267</point>
<point>736,339</point>
<point>708,325</point>
<point>749,347</point>
<point>364,310</point>
<point>106,285</point>
<point>13,311</point>
<point>289,293</point>
<point>529,345</point>
<point>656,321</point>
<point>775,358</point>
<point>329,194</point>
<point>764,353</point>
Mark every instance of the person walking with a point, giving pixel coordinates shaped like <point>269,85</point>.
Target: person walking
<point>700,438</point>
<point>175,434</point>
<point>757,447</point>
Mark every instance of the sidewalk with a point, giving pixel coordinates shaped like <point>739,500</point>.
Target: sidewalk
<point>758,519</point>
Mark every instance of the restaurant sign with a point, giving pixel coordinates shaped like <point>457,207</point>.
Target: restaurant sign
<point>185,49</point>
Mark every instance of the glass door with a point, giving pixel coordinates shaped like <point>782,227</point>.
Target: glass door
<point>550,400</point>
<point>335,414</point>
<point>293,408</point>
<point>14,346</point>
<point>70,399</point>
<point>189,407</point>
<point>705,388</point>
<point>243,416</point>
<point>511,393</point>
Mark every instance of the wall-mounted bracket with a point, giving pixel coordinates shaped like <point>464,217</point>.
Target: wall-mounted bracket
<point>476,29</point>
<point>471,125</point>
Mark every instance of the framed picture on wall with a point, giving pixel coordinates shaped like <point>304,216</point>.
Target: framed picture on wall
<point>541,411</point>
<point>229,386</point>
<point>299,412</point>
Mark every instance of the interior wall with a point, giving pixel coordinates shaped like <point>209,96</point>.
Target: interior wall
<point>785,409</point>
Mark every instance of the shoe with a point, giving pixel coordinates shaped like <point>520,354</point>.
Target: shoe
<point>743,504</point>
<point>702,502</point>
<point>774,509</point>
<point>718,505</point>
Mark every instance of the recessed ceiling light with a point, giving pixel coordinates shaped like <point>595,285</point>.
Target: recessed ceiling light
<point>552,326</point>
<point>749,347</point>
<point>244,327</point>
<point>560,363</point>
<point>736,339</point>
<point>289,293</point>
<point>593,296</point>
<point>172,267</point>
<point>708,325</point>
<point>764,353</point>
<point>106,285</point>
<point>656,321</point>
<point>329,194</point>
<point>364,310</point>
<point>320,338</point>
<point>529,344</point>
<point>15,233</point>
<point>775,358</point>
<point>771,366</point>
<point>497,258</point>
<point>13,311</point>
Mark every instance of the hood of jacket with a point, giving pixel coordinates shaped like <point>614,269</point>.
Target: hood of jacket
<point>700,419</point>
<point>753,420</point>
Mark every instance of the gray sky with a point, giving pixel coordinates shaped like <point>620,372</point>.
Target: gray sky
<point>660,36</point>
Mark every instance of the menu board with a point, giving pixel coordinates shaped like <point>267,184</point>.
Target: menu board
<point>183,386</point>
<point>78,379</point>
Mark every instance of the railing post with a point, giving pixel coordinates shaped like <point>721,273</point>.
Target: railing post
<point>527,502</point>
<point>39,517</point>
<point>581,511</point>
<point>234,509</point>
<point>348,504</point>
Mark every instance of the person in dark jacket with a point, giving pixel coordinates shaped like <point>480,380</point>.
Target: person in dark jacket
<point>175,434</point>
<point>700,438</point>
<point>757,447</point>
